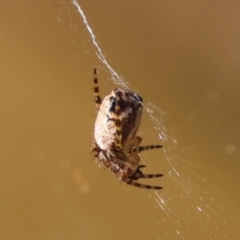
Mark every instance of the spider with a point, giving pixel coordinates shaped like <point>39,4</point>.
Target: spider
<point>116,145</point>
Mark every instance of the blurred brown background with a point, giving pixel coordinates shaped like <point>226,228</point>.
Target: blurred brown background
<point>182,57</point>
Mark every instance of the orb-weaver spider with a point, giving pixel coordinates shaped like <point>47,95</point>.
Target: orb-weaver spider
<point>116,145</point>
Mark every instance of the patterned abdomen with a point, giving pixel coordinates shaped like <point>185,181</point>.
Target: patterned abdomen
<point>120,107</point>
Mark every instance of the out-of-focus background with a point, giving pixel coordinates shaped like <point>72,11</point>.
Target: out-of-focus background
<point>182,57</point>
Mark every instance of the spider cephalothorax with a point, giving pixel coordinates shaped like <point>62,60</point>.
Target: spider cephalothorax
<point>116,145</point>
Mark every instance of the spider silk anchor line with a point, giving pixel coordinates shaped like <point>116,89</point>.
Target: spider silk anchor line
<point>99,53</point>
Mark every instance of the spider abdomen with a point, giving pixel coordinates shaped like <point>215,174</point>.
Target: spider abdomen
<point>128,112</point>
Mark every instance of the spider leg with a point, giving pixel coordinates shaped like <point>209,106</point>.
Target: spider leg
<point>134,142</point>
<point>151,175</point>
<point>141,166</point>
<point>143,148</point>
<point>138,174</point>
<point>98,99</point>
<point>118,123</point>
<point>136,184</point>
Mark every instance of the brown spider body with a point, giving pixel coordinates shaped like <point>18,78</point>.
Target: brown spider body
<point>129,116</point>
<point>116,145</point>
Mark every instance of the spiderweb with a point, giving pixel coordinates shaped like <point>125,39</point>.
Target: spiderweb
<point>198,212</point>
